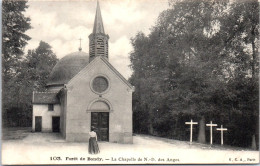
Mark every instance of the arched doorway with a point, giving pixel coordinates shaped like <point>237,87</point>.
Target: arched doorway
<point>100,119</point>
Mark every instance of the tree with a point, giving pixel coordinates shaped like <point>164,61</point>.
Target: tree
<point>241,28</point>
<point>32,75</point>
<point>14,39</point>
<point>14,26</point>
<point>35,71</point>
<point>39,63</point>
<point>195,44</point>
<point>195,63</point>
<point>138,65</point>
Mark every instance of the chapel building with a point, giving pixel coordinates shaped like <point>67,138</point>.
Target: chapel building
<point>84,91</point>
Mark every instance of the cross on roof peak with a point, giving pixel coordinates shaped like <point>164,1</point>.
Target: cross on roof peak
<point>80,44</point>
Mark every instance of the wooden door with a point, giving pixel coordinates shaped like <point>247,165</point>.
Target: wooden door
<point>38,123</point>
<point>55,124</point>
<point>100,121</point>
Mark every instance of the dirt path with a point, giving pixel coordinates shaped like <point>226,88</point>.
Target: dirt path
<point>50,148</point>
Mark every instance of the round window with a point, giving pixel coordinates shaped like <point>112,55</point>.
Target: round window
<point>100,84</point>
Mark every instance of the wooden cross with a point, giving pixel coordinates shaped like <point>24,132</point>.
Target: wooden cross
<point>191,123</point>
<point>211,125</point>
<point>221,130</point>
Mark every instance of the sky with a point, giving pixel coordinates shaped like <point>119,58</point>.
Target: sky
<point>62,23</point>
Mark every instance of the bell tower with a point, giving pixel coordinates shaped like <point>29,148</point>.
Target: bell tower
<point>98,40</point>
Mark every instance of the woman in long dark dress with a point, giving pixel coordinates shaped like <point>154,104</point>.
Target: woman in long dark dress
<point>92,143</point>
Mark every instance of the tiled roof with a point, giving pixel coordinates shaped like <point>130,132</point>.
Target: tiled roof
<point>45,98</point>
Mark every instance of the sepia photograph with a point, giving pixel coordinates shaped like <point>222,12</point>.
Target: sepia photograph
<point>130,82</point>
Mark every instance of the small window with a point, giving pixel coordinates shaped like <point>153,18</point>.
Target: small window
<point>50,107</point>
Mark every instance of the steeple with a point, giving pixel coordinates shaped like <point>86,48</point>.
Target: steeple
<point>98,24</point>
<point>98,40</point>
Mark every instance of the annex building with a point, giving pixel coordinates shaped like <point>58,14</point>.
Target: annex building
<point>85,90</point>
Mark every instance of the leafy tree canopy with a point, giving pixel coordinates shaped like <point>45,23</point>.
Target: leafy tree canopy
<point>200,60</point>
<point>14,26</point>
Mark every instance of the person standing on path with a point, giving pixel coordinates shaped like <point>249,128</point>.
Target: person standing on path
<point>92,143</point>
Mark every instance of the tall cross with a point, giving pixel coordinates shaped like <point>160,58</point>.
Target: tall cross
<point>211,125</point>
<point>221,130</point>
<point>80,44</point>
<point>191,123</point>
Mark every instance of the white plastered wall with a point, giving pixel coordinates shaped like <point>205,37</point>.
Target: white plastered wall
<point>42,110</point>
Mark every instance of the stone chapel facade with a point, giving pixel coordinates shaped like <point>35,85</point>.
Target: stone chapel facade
<point>86,91</point>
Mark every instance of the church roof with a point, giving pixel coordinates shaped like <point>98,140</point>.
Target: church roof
<point>67,68</point>
<point>45,98</point>
<point>98,24</point>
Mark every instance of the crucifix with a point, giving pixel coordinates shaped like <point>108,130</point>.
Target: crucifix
<point>191,123</point>
<point>211,125</point>
<point>80,44</point>
<point>221,130</point>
